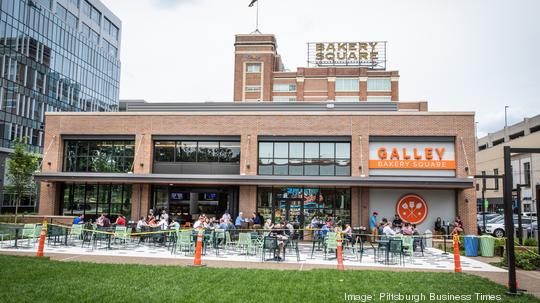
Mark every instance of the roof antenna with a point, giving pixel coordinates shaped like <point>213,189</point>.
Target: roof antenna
<point>256,31</point>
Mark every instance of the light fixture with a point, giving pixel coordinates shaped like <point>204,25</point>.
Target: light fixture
<point>142,164</point>
<point>330,105</point>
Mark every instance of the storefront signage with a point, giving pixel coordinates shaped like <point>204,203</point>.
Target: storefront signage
<point>368,54</point>
<point>417,155</point>
<point>412,208</point>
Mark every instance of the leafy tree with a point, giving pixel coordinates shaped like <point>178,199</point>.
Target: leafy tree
<point>21,165</point>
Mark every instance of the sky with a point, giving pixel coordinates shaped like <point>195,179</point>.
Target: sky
<point>459,55</point>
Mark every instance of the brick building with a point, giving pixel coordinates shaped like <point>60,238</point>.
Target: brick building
<point>322,158</point>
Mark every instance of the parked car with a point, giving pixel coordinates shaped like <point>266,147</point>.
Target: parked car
<point>497,228</point>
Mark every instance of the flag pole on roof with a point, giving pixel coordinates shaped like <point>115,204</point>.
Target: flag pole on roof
<point>253,2</point>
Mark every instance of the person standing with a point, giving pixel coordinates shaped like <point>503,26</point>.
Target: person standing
<point>226,217</point>
<point>373,226</point>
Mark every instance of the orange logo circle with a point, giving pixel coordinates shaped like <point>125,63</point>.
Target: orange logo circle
<point>412,208</point>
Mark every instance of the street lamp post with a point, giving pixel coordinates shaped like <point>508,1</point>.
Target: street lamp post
<point>506,116</point>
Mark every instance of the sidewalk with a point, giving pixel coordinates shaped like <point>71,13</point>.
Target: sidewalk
<point>528,280</point>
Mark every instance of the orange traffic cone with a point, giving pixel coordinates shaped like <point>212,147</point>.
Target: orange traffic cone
<point>42,239</point>
<point>340,255</point>
<point>198,249</point>
<point>457,261</point>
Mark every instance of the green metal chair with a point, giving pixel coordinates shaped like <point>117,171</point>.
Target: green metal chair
<point>245,243</point>
<point>75,232</point>
<point>330,243</point>
<point>408,246</point>
<point>184,242</point>
<point>229,243</point>
<point>395,248</point>
<point>119,234</point>
<point>29,233</point>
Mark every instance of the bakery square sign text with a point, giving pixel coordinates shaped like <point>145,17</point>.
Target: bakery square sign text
<point>367,54</point>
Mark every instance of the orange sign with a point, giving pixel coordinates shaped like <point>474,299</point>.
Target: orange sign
<point>412,158</point>
<point>412,208</point>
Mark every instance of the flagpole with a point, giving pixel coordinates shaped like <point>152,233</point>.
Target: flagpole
<point>257,18</point>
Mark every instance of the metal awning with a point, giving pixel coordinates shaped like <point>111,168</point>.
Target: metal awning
<point>390,181</point>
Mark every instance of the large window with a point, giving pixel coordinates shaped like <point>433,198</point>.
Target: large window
<point>253,68</point>
<point>284,99</point>
<point>347,85</point>
<point>305,158</point>
<point>379,85</point>
<point>197,151</point>
<point>91,12</point>
<point>98,156</point>
<point>284,87</point>
<point>303,204</point>
<point>111,29</point>
<point>95,199</point>
<point>527,173</point>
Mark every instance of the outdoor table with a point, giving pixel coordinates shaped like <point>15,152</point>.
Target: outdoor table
<point>15,228</point>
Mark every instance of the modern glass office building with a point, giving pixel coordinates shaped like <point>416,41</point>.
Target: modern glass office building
<point>55,55</point>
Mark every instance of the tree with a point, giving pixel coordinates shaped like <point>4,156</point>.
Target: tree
<point>21,165</point>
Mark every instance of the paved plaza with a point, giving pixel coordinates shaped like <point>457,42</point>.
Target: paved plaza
<point>433,259</point>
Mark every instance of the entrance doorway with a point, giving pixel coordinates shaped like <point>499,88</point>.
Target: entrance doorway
<point>188,203</point>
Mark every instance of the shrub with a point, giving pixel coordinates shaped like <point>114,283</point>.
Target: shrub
<point>530,242</point>
<point>527,260</point>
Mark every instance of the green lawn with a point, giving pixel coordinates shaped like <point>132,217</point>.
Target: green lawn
<point>25,279</point>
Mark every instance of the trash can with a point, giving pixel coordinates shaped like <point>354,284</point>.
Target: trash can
<point>487,246</point>
<point>471,246</point>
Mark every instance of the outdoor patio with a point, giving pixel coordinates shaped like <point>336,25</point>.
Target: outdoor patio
<point>308,253</point>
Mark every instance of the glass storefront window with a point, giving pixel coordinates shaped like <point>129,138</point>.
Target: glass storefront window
<point>208,152</point>
<point>304,158</point>
<point>94,199</point>
<point>98,156</point>
<point>301,205</point>
<point>197,151</point>
<point>164,151</point>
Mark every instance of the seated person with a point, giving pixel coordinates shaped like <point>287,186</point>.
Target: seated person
<point>439,228</point>
<point>79,220</point>
<point>398,223</point>
<point>120,221</point>
<point>222,224</point>
<point>268,224</point>
<point>388,231</point>
<point>103,221</point>
<point>279,234</point>
<point>456,229</point>
<point>174,224</point>
<point>152,221</point>
<point>325,229</point>
<point>141,224</point>
<point>407,230</point>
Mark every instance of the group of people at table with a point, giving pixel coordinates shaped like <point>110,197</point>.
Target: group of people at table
<point>399,227</point>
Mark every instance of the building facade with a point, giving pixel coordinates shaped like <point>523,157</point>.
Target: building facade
<point>286,160</point>
<point>55,55</point>
<point>525,167</point>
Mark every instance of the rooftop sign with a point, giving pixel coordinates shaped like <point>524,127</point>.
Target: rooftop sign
<point>367,54</point>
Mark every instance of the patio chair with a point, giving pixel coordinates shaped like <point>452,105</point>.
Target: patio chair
<point>244,242</point>
<point>268,245</point>
<point>383,247</point>
<point>292,243</point>
<point>75,232</point>
<point>184,242</point>
<point>88,236</point>
<point>418,241</point>
<point>408,246</point>
<point>330,243</point>
<point>119,234</point>
<point>358,249</point>
<point>395,247</point>
<point>29,233</point>
<point>228,240</point>
<point>219,239</point>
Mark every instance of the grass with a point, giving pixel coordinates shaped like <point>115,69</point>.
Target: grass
<point>26,279</point>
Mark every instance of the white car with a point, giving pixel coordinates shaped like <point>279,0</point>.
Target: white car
<point>497,228</point>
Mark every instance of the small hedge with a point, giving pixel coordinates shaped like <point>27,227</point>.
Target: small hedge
<point>525,259</point>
